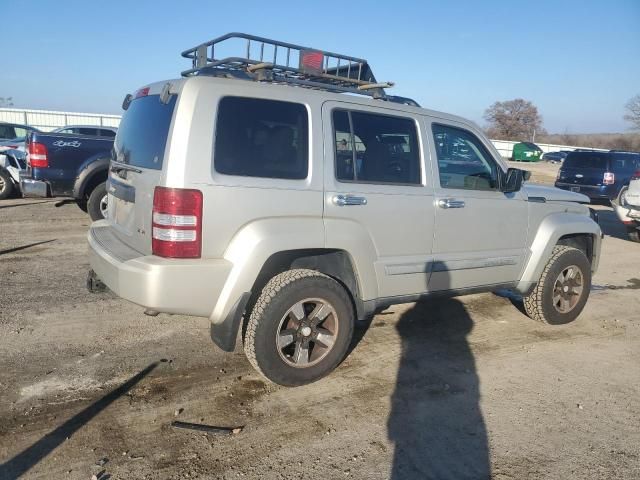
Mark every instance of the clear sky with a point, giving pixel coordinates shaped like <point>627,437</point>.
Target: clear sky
<point>577,60</point>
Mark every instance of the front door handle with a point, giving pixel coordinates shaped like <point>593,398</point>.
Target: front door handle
<point>348,200</point>
<point>450,203</point>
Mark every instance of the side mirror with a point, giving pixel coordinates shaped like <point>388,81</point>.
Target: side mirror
<point>513,180</point>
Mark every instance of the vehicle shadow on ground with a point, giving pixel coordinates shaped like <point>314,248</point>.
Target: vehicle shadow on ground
<point>28,458</point>
<point>23,247</point>
<point>435,422</point>
<point>611,224</point>
<point>24,204</point>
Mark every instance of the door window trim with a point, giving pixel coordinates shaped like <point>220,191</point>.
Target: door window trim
<point>420,183</point>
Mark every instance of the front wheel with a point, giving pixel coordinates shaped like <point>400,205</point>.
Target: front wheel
<point>563,288</point>
<point>300,327</point>
<point>97,202</point>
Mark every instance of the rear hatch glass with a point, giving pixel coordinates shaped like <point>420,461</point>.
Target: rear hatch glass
<point>142,135</point>
<point>140,144</point>
<point>584,168</point>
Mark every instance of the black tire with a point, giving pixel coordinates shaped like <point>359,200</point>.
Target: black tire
<point>272,316</point>
<point>94,201</point>
<point>619,200</point>
<point>82,205</point>
<point>6,185</point>
<point>540,304</point>
<point>634,234</point>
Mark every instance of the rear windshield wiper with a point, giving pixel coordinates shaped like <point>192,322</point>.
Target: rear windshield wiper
<point>117,166</point>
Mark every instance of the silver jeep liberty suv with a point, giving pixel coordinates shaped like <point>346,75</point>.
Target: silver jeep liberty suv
<point>284,195</point>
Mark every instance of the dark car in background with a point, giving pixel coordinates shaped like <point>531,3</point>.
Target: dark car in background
<point>12,135</point>
<point>11,131</point>
<point>93,130</point>
<point>599,175</point>
<point>556,157</point>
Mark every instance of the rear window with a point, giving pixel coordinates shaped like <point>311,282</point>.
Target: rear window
<point>262,138</point>
<point>586,160</point>
<point>143,131</point>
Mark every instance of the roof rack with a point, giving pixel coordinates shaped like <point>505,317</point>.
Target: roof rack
<point>280,62</point>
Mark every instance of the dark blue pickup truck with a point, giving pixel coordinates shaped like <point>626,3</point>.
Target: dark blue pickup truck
<point>68,165</point>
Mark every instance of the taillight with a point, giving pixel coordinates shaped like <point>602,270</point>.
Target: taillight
<point>143,92</point>
<point>636,175</point>
<point>177,223</point>
<point>609,178</point>
<point>38,155</point>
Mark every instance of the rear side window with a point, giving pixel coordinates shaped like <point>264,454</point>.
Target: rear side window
<point>106,133</point>
<point>262,138</point>
<point>142,136</point>
<point>586,160</point>
<point>375,148</point>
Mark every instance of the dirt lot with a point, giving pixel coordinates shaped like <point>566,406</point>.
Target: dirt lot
<point>447,389</point>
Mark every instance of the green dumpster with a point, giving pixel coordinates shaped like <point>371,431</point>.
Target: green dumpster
<point>526,152</point>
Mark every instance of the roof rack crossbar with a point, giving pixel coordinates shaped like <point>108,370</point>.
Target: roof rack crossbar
<point>315,68</point>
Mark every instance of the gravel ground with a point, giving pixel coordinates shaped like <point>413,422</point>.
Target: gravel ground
<point>450,388</point>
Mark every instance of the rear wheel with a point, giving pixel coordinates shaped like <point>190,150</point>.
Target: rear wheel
<point>6,185</point>
<point>563,289</point>
<point>634,234</point>
<point>300,327</point>
<point>97,202</point>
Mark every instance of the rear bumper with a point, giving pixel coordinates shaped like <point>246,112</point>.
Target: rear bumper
<point>31,187</point>
<point>179,286</point>
<point>592,191</point>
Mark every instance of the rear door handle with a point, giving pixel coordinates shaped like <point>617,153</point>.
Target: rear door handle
<point>348,200</point>
<point>450,203</point>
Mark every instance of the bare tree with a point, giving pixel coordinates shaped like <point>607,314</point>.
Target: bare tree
<point>516,119</point>
<point>633,107</point>
<point>6,102</point>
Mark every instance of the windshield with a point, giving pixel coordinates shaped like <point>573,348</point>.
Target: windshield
<point>586,160</point>
<point>143,131</point>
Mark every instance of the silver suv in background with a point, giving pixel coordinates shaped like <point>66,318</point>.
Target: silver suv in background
<point>284,195</point>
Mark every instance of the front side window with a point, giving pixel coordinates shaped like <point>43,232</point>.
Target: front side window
<point>463,161</point>
<point>262,138</point>
<point>375,148</point>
